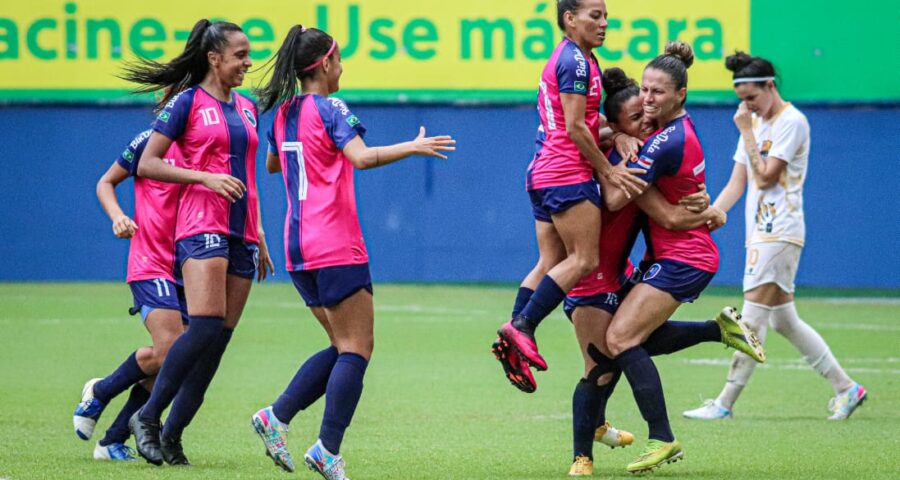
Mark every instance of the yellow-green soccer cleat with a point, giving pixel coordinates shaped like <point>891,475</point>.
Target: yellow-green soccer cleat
<point>582,467</point>
<point>656,454</point>
<point>613,437</point>
<point>738,335</point>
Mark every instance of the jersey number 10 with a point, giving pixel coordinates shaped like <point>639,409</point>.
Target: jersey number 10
<point>296,148</point>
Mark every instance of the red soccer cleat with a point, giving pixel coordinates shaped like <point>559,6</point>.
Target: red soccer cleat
<point>516,369</point>
<point>524,344</point>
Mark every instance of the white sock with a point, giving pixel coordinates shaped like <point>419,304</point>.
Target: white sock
<point>813,347</point>
<point>755,316</point>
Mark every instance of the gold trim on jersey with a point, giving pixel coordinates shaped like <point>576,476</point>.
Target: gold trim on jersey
<point>772,239</point>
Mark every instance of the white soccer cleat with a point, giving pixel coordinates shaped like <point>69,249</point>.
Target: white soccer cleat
<point>116,452</point>
<point>87,412</point>
<point>710,410</point>
<point>843,405</point>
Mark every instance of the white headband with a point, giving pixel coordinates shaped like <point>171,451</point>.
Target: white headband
<point>752,79</point>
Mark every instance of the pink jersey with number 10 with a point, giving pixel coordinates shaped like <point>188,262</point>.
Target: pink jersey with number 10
<point>215,137</point>
<point>557,161</point>
<point>321,228</point>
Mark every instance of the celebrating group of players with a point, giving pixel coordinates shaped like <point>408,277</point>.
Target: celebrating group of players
<point>589,207</point>
<point>197,239</point>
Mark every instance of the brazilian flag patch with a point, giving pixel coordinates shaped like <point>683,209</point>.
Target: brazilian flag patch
<point>128,155</point>
<point>580,86</point>
<point>353,120</point>
<point>164,117</point>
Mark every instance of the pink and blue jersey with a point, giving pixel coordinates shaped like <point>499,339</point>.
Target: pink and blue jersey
<point>321,228</point>
<point>216,137</point>
<point>674,160</point>
<point>557,161</point>
<point>620,229</point>
<point>151,254</point>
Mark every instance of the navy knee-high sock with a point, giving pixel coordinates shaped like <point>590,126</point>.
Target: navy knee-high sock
<point>342,394</point>
<point>190,396</point>
<point>522,299</point>
<point>648,393</point>
<point>587,403</point>
<point>307,386</point>
<point>674,336</point>
<point>190,347</point>
<point>608,390</point>
<point>117,382</point>
<point>546,297</point>
<point>118,432</point>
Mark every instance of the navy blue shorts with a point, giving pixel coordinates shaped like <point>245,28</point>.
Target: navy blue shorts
<point>608,302</point>
<point>682,281</point>
<point>329,286</point>
<point>243,257</point>
<point>552,200</point>
<point>157,293</point>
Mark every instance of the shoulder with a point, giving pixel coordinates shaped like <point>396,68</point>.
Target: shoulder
<point>793,116</point>
<point>669,138</point>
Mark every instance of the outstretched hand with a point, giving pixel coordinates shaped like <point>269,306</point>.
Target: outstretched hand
<point>433,146</point>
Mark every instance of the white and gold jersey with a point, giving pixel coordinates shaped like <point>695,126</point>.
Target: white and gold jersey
<point>775,214</point>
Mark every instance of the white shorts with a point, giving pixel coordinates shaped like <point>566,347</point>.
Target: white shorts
<point>772,262</point>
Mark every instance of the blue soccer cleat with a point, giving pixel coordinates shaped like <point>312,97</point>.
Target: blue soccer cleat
<point>843,405</point>
<point>117,452</point>
<point>88,411</point>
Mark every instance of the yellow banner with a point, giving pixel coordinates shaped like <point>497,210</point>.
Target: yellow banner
<point>460,49</point>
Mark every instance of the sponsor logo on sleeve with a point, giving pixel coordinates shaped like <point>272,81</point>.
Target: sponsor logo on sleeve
<point>250,117</point>
<point>700,168</point>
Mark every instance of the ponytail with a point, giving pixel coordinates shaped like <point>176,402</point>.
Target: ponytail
<point>301,53</point>
<point>187,69</point>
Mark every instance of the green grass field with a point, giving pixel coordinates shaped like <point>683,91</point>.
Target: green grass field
<point>436,405</point>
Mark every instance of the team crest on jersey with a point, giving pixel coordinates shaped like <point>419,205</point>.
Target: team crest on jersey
<point>352,120</point>
<point>580,86</point>
<point>249,115</point>
<point>164,117</point>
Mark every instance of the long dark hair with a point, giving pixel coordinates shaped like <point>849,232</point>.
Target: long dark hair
<point>185,70</point>
<point>676,60</point>
<point>619,88</point>
<point>302,47</point>
<point>745,66</point>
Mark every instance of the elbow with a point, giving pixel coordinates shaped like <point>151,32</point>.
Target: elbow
<point>764,182</point>
<point>142,169</point>
<point>669,223</point>
<point>271,168</point>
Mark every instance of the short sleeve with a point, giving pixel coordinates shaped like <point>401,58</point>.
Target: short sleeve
<point>661,155</point>
<point>572,71</point>
<point>789,138</point>
<point>270,136</point>
<point>740,154</point>
<point>131,156</point>
<point>173,119</point>
<point>340,123</point>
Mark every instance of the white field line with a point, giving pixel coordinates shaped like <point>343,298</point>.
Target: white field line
<point>859,300</point>
<point>800,364</point>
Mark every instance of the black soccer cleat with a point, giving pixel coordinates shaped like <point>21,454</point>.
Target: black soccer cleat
<point>173,452</point>
<point>146,438</point>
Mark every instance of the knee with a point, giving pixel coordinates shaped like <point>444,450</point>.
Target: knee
<point>586,263</point>
<point>360,346</point>
<point>617,343</point>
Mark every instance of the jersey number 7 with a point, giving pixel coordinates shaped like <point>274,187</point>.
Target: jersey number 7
<point>296,149</point>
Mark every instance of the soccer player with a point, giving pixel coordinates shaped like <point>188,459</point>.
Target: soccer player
<point>560,180</point>
<point>151,257</point>
<point>770,162</point>
<point>219,241</point>
<point>316,142</point>
<point>595,299</point>
<point>683,261</point>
